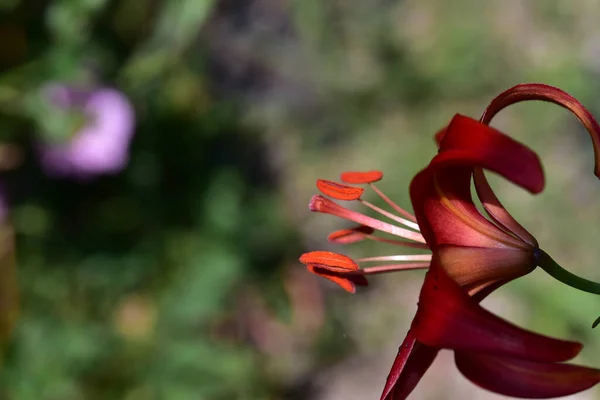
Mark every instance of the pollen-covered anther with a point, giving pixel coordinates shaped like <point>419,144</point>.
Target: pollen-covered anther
<point>339,191</point>
<point>370,177</point>
<point>355,177</point>
<point>328,260</point>
<point>348,236</point>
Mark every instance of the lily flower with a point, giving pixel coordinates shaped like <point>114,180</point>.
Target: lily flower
<point>479,254</point>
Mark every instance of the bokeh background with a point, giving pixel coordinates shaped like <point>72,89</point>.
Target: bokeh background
<point>176,276</point>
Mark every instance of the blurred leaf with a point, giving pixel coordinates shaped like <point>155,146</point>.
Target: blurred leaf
<point>178,24</point>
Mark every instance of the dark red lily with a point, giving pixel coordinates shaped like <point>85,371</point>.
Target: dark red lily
<point>477,253</point>
<point>489,351</point>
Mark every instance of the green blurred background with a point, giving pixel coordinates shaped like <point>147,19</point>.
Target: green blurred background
<point>178,277</point>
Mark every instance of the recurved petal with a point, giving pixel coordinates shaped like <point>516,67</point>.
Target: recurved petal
<point>525,379</point>
<point>449,318</point>
<point>496,210</point>
<point>440,194</point>
<point>439,136</point>
<point>348,282</point>
<point>410,365</point>
<point>447,214</point>
<point>485,147</point>
<point>538,91</point>
<point>477,268</point>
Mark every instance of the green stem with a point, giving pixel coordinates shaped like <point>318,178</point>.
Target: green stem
<point>546,263</point>
<point>557,272</point>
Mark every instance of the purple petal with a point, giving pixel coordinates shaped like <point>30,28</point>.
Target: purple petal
<point>102,146</point>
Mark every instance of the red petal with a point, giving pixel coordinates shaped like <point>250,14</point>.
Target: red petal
<point>439,136</point>
<point>447,215</point>
<point>339,191</point>
<point>496,210</point>
<point>328,260</point>
<point>488,148</point>
<point>538,91</point>
<point>346,281</point>
<point>441,193</point>
<point>477,268</point>
<point>361,177</point>
<point>525,379</point>
<point>449,318</point>
<point>347,236</point>
<point>410,365</point>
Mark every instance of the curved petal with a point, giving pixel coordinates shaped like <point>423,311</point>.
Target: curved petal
<point>441,193</point>
<point>446,212</point>
<point>448,318</point>
<point>538,91</point>
<point>410,365</point>
<point>477,268</point>
<point>491,149</point>
<point>439,136</point>
<point>525,379</point>
<point>496,210</point>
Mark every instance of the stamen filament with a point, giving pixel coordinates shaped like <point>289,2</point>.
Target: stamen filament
<point>392,204</point>
<point>391,216</point>
<point>382,269</point>
<point>324,205</point>
<point>411,257</point>
<point>398,242</point>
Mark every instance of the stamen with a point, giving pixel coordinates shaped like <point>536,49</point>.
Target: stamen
<point>361,177</point>
<point>392,204</point>
<point>382,269</point>
<point>398,242</point>
<point>339,191</point>
<point>359,233</point>
<point>348,236</point>
<point>319,203</point>
<point>411,257</point>
<point>396,218</point>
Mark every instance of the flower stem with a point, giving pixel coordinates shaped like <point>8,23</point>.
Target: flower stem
<point>559,273</point>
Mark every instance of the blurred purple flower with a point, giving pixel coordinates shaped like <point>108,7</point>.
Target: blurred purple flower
<point>102,145</point>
